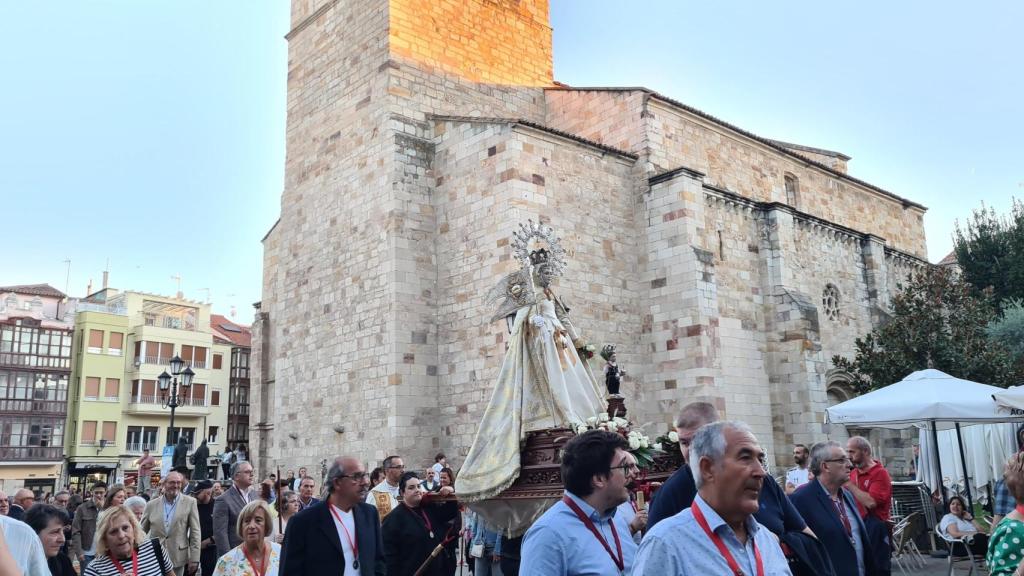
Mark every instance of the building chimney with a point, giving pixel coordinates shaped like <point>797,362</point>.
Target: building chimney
<point>88,289</point>
<point>106,276</point>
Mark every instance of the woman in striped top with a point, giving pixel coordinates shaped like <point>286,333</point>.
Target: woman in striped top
<point>122,548</point>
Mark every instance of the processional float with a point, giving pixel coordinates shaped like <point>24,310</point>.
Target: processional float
<point>544,394</point>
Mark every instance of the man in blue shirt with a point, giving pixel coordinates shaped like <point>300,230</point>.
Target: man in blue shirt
<point>775,512</point>
<point>717,534</point>
<point>581,534</point>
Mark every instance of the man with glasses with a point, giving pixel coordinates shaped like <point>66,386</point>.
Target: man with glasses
<point>384,496</point>
<point>582,534</point>
<point>227,507</point>
<point>831,511</point>
<point>340,536</point>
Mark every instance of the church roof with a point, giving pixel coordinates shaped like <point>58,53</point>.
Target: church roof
<point>766,141</point>
<point>34,290</point>
<point>950,259</point>
<point>811,149</point>
<point>536,126</point>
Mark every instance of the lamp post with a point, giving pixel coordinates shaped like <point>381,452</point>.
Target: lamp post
<point>169,388</point>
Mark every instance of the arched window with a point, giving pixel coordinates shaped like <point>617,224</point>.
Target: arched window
<point>792,190</point>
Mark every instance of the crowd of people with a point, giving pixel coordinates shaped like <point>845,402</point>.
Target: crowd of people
<point>721,513</point>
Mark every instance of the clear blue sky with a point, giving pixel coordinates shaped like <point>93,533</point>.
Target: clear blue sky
<point>152,133</point>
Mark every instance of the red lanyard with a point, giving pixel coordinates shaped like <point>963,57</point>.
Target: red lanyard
<point>351,541</point>
<point>426,520</point>
<point>1020,509</point>
<point>620,562</point>
<point>841,509</point>
<point>135,564</point>
<point>255,570</point>
<point>717,540</point>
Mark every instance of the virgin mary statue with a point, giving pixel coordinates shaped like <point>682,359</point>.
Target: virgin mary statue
<point>543,382</point>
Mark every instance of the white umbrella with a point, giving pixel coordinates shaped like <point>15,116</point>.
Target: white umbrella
<point>1012,399</point>
<point>926,397</point>
<point>923,396</point>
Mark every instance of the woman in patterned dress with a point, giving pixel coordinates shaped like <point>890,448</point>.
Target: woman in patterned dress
<point>255,556</point>
<point>1006,546</point>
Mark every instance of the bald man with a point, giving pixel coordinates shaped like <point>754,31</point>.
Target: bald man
<point>23,500</point>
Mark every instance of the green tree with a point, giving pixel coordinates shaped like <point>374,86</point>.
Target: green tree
<point>1008,331</point>
<point>938,321</point>
<point>990,252</point>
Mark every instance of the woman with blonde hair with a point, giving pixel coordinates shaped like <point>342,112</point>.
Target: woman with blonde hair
<point>122,546</point>
<point>255,555</point>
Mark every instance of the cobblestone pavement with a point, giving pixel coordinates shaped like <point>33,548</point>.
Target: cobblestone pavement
<point>936,567</point>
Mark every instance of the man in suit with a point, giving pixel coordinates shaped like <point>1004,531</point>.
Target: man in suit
<point>306,498</point>
<point>831,512</point>
<point>229,504</point>
<point>174,520</point>
<point>22,501</point>
<point>337,537</point>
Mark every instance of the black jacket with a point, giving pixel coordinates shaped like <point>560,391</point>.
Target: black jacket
<point>312,547</point>
<point>821,516</point>
<point>407,543</point>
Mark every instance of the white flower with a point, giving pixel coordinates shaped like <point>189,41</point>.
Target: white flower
<point>610,425</point>
<point>537,320</point>
<point>673,436</point>
<point>592,421</point>
<point>591,348</point>
<point>621,422</point>
<point>644,443</point>
<point>634,444</point>
<point>581,429</point>
<point>603,416</point>
<point>633,434</point>
<point>656,446</point>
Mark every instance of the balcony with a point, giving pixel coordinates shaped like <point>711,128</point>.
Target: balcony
<point>31,453</point>
<point>144,404</point>
<point>138,447</point>
<point>33,406</point>
<point>161,361</point>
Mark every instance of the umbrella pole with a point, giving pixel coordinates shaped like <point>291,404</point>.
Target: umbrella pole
<point>963,462</point>
<point>938,467</point>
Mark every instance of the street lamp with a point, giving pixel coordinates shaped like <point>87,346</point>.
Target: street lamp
<point>169,387</point>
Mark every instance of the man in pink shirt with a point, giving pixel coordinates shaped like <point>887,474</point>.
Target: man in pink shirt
<point>146,464</point>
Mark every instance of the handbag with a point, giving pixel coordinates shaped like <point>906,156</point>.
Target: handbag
<point>477,550</point>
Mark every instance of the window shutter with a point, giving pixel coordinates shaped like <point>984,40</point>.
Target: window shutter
<point>109,431</point>
<point>92,387</point>
<point>95,338</point>
<point>116,340</point>
<point>112,389</point>
<point>88,431</point>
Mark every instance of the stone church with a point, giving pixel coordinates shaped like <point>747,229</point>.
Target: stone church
<point>725,265</point>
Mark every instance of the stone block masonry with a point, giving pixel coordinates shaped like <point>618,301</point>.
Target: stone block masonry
<point>420,134</point>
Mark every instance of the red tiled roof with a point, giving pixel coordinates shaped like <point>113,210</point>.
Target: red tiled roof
<point>230,332</point>
<point>34,289</point>
<point>949,259</point>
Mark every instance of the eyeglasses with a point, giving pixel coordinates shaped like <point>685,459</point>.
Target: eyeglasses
<point>397,467</point>
<point>627,469</point>
<point>356,477</point>
<point>843,459</point>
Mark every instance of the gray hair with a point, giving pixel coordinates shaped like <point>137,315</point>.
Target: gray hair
<point>235,466</point>
<point>696,414</point>
<point>62,493</point>
<point>336,471</point>
<point>861,443</point>
<point>821,452</point>
<point>709,442</point>
<point>135,502</point>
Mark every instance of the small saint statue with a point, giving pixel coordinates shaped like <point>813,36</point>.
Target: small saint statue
<point>612,373</point>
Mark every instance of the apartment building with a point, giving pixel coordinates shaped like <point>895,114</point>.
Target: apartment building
<point>239,338</point>
<point>35,368</point>
<point>123,341</point>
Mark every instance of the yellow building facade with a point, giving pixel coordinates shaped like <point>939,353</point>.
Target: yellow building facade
<point>122,342</point>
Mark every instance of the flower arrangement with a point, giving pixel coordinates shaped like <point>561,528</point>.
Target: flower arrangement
<point>669,442</point>
<point>585,350</point>
<point>640,446</point>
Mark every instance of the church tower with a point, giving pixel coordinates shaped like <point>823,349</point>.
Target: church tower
<point>346,332</point>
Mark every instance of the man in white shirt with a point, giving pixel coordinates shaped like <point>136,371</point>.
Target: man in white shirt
<point>25,547</point>
<point>384,496</point>
<point>799,474</point>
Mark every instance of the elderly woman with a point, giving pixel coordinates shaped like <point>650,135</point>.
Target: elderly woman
<point>959,523</point>
<point>137,504</point>
<point>121,546</point>
<point>289,503</point>
<point>1006,545</point>
<point>255,555</point>
<point>48,521</point>
<point>116,495</point>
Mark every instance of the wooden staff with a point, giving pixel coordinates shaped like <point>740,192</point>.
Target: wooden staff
<point>280,516</point>
<point>434,554</point>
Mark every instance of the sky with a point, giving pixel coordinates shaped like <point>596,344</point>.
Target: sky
<point>147,137</point>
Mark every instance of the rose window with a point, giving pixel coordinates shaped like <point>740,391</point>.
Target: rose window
<point>830,302</point>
